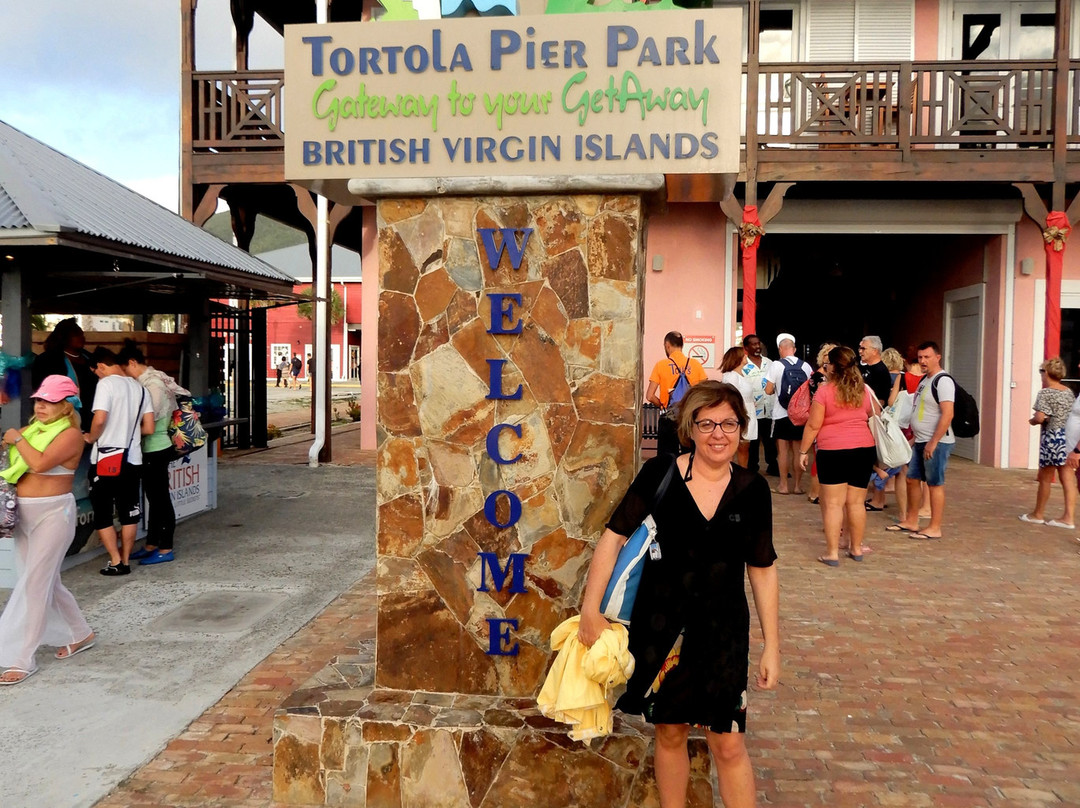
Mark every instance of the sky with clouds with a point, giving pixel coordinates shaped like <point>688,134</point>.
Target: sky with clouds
<point>100,81</point>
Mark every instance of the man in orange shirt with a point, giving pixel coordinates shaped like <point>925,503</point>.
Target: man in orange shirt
<point>662,383</point>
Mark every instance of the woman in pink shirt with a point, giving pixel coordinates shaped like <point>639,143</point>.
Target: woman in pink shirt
<point>839,420</point>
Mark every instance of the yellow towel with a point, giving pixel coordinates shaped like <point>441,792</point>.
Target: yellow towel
<point>39,436</point>
<point>578,688</point>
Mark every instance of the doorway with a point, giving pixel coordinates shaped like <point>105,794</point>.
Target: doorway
<point>963,350</point>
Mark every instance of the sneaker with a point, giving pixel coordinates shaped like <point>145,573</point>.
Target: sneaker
<point>138,555</point>
<point>115,569</point>
<point>158,557</point>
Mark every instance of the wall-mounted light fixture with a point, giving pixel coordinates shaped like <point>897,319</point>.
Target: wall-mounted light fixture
<point>1027,266</point>
<point>657,263</point>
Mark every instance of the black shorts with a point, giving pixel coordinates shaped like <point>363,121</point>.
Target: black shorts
<point>783,429</point>
<point>846,466</point>
<point>121,492</point>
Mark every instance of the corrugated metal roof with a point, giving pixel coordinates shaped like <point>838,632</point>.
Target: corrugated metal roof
<point>296,261</point>
<point>44,190</point>
<point>10,215</point>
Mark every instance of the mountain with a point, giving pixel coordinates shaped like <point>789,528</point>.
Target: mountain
<point>269,234</point>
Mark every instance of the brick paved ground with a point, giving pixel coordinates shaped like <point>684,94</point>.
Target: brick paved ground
<point>933,674</point>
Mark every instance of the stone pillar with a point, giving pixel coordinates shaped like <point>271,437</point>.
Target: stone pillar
<point>577,363</point>
<point>524,380</point>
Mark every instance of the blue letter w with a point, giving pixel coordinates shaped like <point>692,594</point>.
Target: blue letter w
<point>508,244</point>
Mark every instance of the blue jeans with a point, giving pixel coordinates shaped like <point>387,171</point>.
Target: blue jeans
<point>932,470</point>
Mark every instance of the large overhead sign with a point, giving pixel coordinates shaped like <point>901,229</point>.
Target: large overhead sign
<point>606,93</point>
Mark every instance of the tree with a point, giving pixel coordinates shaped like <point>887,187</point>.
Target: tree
<point>337,306</point>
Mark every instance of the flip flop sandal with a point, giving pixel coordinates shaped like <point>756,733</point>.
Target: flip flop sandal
<point>870,507</point>
<point>829,562</point>
<point>854,557</point>
<point>25,675</point>
<point>897,529</point>
<point>75,648</point>
<point>1031,521</point>
<point>924,537</point>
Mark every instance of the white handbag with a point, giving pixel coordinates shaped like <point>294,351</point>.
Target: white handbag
<point>893,449</point>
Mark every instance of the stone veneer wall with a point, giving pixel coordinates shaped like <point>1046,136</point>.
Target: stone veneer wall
<point>578,360</point>
<point>445,724</point>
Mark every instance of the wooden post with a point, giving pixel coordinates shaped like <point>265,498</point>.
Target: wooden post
<point>187,67</point>
<point>242,380</point>
<point>753,28</point>
<point>258,377</point>
<point>1062,29</point>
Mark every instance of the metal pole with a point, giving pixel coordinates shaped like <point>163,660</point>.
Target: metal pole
<point>320,384</point>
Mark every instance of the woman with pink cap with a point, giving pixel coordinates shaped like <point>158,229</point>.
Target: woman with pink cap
<point>41,464</point>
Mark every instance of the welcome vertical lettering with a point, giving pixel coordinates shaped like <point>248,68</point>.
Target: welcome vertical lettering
<point>504,320</point>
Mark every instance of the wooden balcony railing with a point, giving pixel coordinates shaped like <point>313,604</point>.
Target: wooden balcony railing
<point>936,104</point>
<point>237,110</point>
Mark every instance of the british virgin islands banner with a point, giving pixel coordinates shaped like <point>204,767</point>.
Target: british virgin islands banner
<point>601,93</point>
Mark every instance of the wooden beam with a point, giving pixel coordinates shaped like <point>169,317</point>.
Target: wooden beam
<point>187,66</point>
<point>773,202</point>
<point>733,209</point>
<point>1033,203</point>
<point>753,29</point>
<point>1062,30</point>
<point>207,205</point>
<point>1074,209</point>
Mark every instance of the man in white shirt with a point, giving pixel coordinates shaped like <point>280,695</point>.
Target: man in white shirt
<point>123,413</point>
<point>754,369</point>
<point>931,419</point>
<point>782,380</point>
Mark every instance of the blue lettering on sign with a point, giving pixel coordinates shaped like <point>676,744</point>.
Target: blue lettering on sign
<point>504,320</point>
<point>388,59</point>
<point>493,443</point>
<point>624,38</point>
<point>491,506</point>
<point>499,636</point>
<point>495,391</point>
<point>508,244</point>
<point>502,309</point>
<point>515,567</point>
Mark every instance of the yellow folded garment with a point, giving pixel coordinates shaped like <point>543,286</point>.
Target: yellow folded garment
<point>578,688</point>
<point>39,436</point>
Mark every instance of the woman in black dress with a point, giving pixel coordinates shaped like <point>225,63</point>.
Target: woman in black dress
<point>690,625</point>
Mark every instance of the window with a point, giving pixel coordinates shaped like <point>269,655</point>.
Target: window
<point>1004,30</point>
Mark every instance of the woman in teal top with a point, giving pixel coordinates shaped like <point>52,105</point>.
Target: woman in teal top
<point>158,453</point>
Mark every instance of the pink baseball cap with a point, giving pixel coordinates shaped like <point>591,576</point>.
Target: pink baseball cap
<point>56,388</point>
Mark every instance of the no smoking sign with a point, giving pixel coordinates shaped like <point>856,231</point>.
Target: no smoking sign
<point>703,349</point>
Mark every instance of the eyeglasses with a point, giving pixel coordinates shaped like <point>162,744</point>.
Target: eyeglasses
<point>729,426</point>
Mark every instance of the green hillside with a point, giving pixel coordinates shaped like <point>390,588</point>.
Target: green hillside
<point>269,234</point>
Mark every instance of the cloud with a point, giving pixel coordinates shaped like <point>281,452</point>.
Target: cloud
<point>164,190</point>
<point>100,81</point>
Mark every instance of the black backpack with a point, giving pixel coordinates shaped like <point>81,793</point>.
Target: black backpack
<point>965,420</point>
<point>792,380</point>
